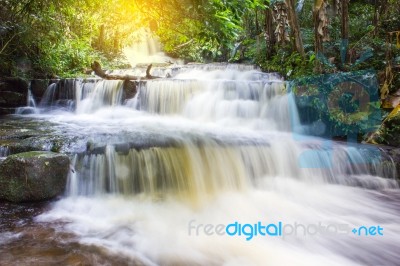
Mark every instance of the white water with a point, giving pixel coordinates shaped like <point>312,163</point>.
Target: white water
<point>30,104</point>
<point>218,146</point>
<point>4,151</point>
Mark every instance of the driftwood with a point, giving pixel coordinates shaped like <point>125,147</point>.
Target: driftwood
<point>96,67</point>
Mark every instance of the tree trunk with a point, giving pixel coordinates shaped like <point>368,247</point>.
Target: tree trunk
<point>257,26</point>
<point>294,24</point>
<point>269,32</point>
<point>376,17</point>
<point>381,7</point>
<point>321,33</point>
<point>318,41</point>
<point>345,26</point>
<point>96,67</point>
<point>335,7</point>
<point>345,20</point>
<point>116,41</point>
<point>101,38</point>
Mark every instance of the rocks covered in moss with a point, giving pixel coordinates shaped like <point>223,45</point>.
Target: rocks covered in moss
<point>389,131</point>
<point>33,176</point>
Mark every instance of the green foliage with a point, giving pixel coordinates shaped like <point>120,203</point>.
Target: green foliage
<point>289,64</point>
<point>62,37</point>
<point>202,30</point>
<point>52,38</point>
<point>347,103</point>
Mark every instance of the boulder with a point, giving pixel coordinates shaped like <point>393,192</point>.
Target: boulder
<point>129,89</point>
<point>33,176</point>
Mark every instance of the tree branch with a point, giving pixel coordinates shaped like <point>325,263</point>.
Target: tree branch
<point>96,67</point>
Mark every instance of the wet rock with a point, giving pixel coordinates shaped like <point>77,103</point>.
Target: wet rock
<point>33,176</point>
<point>6,111</point>
<point>389,130</point>
<point>129,89</point>
<point>390,156</point>
<point>39,87</point>
<point>13,93</point>
<point>12,99</point>
<point>14,84</point>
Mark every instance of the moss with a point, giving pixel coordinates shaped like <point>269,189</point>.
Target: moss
<point>31,154</point>
<point>33,176</point>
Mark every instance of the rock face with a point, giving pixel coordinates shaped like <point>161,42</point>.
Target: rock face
<point>13,94</point>
<point>389,130</point>
<point>33,176</point>
<point>39,87</point>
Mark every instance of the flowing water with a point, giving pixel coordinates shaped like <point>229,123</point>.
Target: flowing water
<point>4,151</point>
<point>154,175</point>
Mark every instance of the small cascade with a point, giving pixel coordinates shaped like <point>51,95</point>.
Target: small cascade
<point>220,66</point>
<point>30,107</point>
<point>49,96</point>
<point>199,169</point>
<point>188,170</point>
<point>167,96</point>
<point>229,97</point>
<point>4,151</point>
<point>31,100</point>
<point>105,93</point>
<point>60,95</point>
<point>258,104</point>
<point>67,93</point>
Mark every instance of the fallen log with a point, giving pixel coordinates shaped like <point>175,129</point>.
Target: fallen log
<point>96,67</point>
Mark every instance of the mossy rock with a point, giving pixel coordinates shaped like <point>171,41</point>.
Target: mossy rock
<point>33,176</point>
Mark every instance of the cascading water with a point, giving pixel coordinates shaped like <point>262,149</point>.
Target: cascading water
<point>4,151</point>
<point>105,93</point>
<point>218,145</point>
<point>62,94</point>
<point>30,103</point>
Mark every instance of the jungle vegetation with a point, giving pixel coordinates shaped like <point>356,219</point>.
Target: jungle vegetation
<point>41,38</point>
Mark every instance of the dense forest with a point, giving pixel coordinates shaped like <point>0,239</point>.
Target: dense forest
<point>41,38</point>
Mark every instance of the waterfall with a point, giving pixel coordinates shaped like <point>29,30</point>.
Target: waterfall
<point>155,171</point>
<point>196,169</point>
<point>166,96</point>
<point>180,163</point>
<point>105,93</point>
<point>49,96</point>
<point>30,99</point>
<point>60,95</point>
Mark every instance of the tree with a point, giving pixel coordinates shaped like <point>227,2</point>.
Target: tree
<point>294,24</point>
<point>345,29</point>
<point>269,32</point>
<point>321,35</point>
